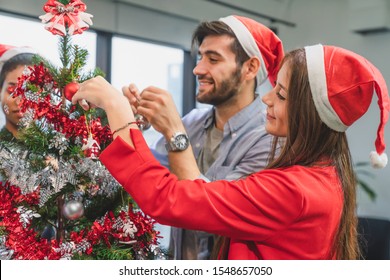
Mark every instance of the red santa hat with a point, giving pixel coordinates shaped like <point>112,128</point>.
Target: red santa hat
<point>342,84</point>
<point>260,41</point>
<point>7,52</point>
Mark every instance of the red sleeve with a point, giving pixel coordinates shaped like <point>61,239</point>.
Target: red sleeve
<point>253,208</point>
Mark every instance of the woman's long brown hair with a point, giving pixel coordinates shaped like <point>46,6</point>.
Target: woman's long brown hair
<point>309,142</point>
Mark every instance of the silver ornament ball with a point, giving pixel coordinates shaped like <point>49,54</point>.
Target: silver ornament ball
<point>143,123</point>
<point>73,210</point>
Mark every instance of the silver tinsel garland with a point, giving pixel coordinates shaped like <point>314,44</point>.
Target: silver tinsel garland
<point>56,175</point>
<point>26,215</point>
<point>5,253</point>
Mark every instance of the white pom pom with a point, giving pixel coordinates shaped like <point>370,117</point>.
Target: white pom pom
<point>378,161</point>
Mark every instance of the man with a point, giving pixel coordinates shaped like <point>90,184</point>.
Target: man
<point>227,141</point>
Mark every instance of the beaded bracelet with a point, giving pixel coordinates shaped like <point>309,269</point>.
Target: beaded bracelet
<point>123,127</point>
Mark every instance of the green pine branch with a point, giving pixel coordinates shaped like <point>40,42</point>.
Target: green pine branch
<point>65,2</point>
<point>65,47</point>
<point>102,252</point>
<point>34,139</point>
<point>101,204</point>
<point>91,74</point>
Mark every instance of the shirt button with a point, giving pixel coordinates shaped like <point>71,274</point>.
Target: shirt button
<point>234,134</point>
<point>197,145</point>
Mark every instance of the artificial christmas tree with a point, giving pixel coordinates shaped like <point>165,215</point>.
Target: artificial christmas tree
<point>57,201</point>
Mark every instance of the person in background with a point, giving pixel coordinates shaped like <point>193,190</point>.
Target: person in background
<point>13,61</point>
<point>238,60</point>
<point>303,205</point>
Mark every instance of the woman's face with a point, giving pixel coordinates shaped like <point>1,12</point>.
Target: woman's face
<point>9,104</point>
<point>276,101</point>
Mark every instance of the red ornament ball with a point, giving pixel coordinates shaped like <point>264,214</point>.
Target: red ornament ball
<point>70,90</point>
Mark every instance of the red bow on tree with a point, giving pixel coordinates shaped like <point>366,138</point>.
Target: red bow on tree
<point>63,19</point>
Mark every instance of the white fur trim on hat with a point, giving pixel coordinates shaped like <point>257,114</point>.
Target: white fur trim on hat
<point>248,43</point>
<point>319,89</point>
<point>378,161</point>
<point>13,52</point>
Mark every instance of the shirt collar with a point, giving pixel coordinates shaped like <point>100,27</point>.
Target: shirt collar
<point>239,119</point>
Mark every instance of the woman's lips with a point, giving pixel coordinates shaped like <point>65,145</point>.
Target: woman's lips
<point>269,117</point>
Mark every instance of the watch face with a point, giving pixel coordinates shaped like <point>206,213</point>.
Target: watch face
<point>181,142</point>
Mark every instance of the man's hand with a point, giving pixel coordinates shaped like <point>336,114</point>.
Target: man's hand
<point>158,107</point>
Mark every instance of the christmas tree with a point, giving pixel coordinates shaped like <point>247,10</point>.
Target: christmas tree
<point>58,201</point>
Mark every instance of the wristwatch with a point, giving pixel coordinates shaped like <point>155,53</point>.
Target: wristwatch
<point>178,142</point>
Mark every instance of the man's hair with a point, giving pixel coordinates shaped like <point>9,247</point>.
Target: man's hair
<point>219,28</point>
<point>311,142</point>
<point>13,63</point>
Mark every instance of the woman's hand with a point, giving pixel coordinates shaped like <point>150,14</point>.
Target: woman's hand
<point>97,92</point>
<point>133,95</point>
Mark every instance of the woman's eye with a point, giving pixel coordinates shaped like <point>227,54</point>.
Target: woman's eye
<point>280,96</point>
<point>11,89</point>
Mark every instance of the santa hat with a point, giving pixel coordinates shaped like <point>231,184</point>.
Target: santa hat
<point>260,41</point>
<point>342,85</point>
<point>7,52</point>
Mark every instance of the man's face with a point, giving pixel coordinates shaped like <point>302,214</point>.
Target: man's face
<point>8,103</point>
<point>219,77</point>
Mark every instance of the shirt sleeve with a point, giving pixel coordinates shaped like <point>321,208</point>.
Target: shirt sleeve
<point>158,147</point>
<point>250,209</point>
<point>159,151</point>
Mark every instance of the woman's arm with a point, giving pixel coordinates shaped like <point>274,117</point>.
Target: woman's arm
<point>99,93</point>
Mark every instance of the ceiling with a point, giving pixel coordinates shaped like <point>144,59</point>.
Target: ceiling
<point>266,11</point>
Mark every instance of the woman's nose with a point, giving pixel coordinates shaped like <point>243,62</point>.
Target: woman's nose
<point>267,98</point>
<point>17,99</point>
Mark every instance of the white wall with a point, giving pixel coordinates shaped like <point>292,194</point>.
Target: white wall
<point>122,18</point>
<point>317,21</point>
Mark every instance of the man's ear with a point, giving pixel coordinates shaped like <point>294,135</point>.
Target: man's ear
<point>252,67</point>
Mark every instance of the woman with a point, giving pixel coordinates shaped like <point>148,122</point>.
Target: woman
<point>303,205</point>
<point>12,63</point>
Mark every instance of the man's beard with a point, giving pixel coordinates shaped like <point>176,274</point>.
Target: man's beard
<point>227,90</point>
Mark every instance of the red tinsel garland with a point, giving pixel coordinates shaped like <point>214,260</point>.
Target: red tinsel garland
<point>42,84</point>
<point>28,245</point>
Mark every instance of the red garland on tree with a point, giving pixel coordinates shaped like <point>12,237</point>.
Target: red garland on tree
<point>38,100</point>
<point>26,243</point>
